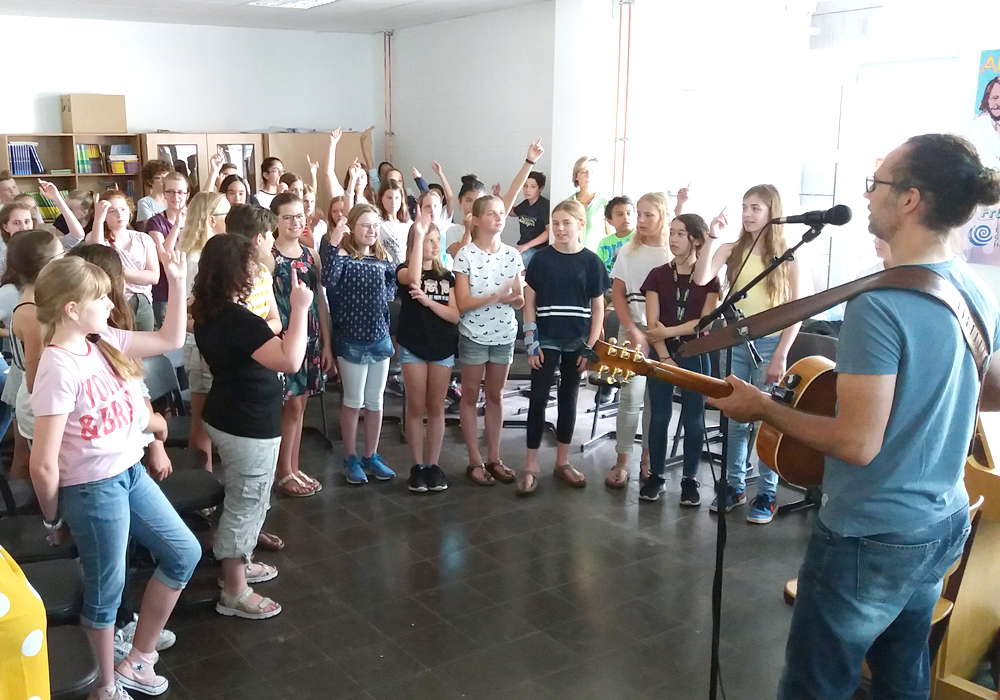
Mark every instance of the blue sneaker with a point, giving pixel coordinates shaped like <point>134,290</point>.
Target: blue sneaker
<point>377,467</point>
<point>353,471</point>
<point>733,499</point>
<point>762,509</point>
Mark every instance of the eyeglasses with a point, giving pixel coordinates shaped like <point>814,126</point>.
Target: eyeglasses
<point>176,193</point>
<point>369,227</point>
<point>871,182</point>
<point>280,171</point>
<point>289,218</point>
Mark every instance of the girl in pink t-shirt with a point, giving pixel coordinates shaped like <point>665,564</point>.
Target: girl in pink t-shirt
<point>85,459</point>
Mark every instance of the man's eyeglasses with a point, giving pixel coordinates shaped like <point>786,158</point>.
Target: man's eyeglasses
<point>871,182</point>
<point>289,218</point>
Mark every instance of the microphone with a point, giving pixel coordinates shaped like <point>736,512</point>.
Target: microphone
<point>837,216</point>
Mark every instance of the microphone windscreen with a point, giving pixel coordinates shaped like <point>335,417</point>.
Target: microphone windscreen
<point>838,215</point>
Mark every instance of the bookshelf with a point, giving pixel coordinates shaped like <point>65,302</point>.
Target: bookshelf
<point>59,152</point>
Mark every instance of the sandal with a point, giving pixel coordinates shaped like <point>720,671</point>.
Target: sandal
<point>563,473</point>
<point>270,542</point>
<point>527,483</point>
<point>237,606</point>
<point>501,472</point>
<point>266,573</point>
<point>485,480</point>
<point>290,490</point>
<point>617,477</point>
<point>309,482</point>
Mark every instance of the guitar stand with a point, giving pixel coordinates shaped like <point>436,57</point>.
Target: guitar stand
<point>813,498</point>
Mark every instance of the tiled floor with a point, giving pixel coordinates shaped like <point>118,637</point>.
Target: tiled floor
<point>474,593</point>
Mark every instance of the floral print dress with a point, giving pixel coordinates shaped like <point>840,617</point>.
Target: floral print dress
<point>310,379</point>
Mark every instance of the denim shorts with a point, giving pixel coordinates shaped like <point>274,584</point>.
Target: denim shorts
<point>198,374</point>
<point>249,465</point>
<point>407,357</point>
<point>102,515</point>
<point>473,353</point>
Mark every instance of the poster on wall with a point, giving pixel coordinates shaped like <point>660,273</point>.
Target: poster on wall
<point>982,232</point>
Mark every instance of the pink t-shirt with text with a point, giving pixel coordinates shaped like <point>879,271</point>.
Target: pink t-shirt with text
<point>103,436</point>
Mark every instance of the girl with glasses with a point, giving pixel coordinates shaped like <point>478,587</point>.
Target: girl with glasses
<point>175,191</point>
<point>271,171</point>
<point>289,254</point>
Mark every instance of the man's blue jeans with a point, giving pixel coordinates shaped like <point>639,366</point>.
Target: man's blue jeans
<point>868,598</point>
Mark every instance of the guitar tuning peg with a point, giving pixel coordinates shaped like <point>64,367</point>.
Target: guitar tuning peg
<point>613,341</point>
<point>626,343</point>
<point>629,374</point>
<point>603,368</point>
<point>610,380</point>
<point>617,372</point>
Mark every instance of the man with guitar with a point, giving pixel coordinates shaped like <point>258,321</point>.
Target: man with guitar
<point>895,510</point>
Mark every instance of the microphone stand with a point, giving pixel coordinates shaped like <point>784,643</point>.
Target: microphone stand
<point>727,309</point>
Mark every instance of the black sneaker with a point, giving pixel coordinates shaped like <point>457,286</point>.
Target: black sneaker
<point>689,492</point>
<point>418,479</point>
<point>394,385</point>
<point>654,486</point>
<point>435,478</point>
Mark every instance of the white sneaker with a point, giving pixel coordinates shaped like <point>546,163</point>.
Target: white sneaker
<point>124,636</point>
<point>112,692</point>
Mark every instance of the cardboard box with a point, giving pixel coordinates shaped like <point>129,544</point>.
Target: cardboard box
<point>93,114</point>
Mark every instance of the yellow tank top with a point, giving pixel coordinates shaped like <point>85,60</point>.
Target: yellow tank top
<point>757,299</point>
<point>259,300</point>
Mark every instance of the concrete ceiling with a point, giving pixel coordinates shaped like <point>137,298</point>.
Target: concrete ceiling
<point>357,16</point>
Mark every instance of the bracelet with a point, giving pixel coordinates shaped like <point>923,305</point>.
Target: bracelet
<point>530,162</point>
<point>53,526</point>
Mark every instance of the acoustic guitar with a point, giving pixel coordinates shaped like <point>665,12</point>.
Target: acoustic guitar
<point>809,385</point>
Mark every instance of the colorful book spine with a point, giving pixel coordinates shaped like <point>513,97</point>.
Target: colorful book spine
<point>46,206</point>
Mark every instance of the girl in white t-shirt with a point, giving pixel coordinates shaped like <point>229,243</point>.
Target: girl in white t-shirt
<point>395,226</point>
<point>142,271</point>
<point>488,287</point>
<point>85,461</point>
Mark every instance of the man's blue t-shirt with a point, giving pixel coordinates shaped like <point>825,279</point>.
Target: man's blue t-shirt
<point>916,479</point>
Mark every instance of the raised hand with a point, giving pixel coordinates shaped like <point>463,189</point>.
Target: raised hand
<point>170,242</point>
<point>174,262</point>
<point>355,169</point>
<point>48,190</point>
<point>436,167</point>
<point>421,223</point>
<point>416,174</point>
<point>313,165</point>
<point>682,195</point>
<point>217,161</point>
<point>300,295</point>
<point>282,187</point>
<point>335,136</point>
<point>718,225</point>
<point>535,150</point>
<point>496,189</point>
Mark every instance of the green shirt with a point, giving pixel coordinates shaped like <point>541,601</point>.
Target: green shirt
<point>597,227</point>
<point>609,246</point>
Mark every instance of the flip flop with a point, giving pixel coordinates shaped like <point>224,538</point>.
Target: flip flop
<point>487,478</point>
<point>527,483</point>
<point>561,472</point>
<point>268,541</point>
<point>280,487</point>
<point>613,479</point>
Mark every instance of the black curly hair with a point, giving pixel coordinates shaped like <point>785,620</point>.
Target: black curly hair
<point>226,272</point>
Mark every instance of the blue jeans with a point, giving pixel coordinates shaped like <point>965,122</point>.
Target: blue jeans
<point>661,399</point>
<point>101,515</point>
<point>868,598</point>
<point>739,433</point>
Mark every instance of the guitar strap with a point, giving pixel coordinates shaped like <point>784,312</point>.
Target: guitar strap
<point>910,277</point>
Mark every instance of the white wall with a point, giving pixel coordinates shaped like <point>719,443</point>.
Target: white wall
<point>188,78</point>
<point>471,93</point>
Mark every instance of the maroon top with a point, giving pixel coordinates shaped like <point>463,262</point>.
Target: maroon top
<point>676,293</point>
<point>159,222</point>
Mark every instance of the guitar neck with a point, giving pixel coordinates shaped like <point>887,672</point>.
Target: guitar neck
<point>686,379</point>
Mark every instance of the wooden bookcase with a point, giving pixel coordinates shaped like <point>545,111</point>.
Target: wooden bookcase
<point>58,151</point>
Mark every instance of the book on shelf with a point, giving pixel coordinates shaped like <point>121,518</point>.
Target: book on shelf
<point>61,171</point>
<point>89,158</point>
<point>123,164</point>
<point>24,158</point>
<point>46,206</point>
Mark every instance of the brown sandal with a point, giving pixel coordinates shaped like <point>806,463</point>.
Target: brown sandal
<point>614,478</point>
<point>486,479</point>
<point>501,472</point>
<point>562,471</point>
<point>524,486</point>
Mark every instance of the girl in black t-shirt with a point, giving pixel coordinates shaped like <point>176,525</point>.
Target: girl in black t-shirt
<point>243,407</point>
<point>427,338</point>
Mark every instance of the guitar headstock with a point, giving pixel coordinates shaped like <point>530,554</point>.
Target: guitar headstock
<point>620,361</point>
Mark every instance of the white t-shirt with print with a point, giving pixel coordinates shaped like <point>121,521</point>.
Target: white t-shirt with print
<point>393,235</point>
<point>493,324</point>
<point>632,266</point>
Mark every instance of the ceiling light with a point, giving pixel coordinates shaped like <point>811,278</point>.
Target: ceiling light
<point>292,4</point>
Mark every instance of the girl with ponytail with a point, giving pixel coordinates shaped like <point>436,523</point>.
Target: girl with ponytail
<point>85,460</point>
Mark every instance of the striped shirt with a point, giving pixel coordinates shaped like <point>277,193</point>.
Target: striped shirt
<point>564,285</point>
<point>259,301</point>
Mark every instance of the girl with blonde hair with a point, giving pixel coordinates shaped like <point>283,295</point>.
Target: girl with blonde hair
<point>645,250</point>
<point>85,460</point>
<point>360,282</point>
<point>758,243</point>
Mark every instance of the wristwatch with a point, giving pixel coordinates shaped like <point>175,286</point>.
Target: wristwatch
<point>52,526</point>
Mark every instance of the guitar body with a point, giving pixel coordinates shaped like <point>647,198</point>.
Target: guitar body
<point>810,385</point>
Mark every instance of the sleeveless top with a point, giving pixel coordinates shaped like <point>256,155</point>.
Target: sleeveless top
<point>16,344</point>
